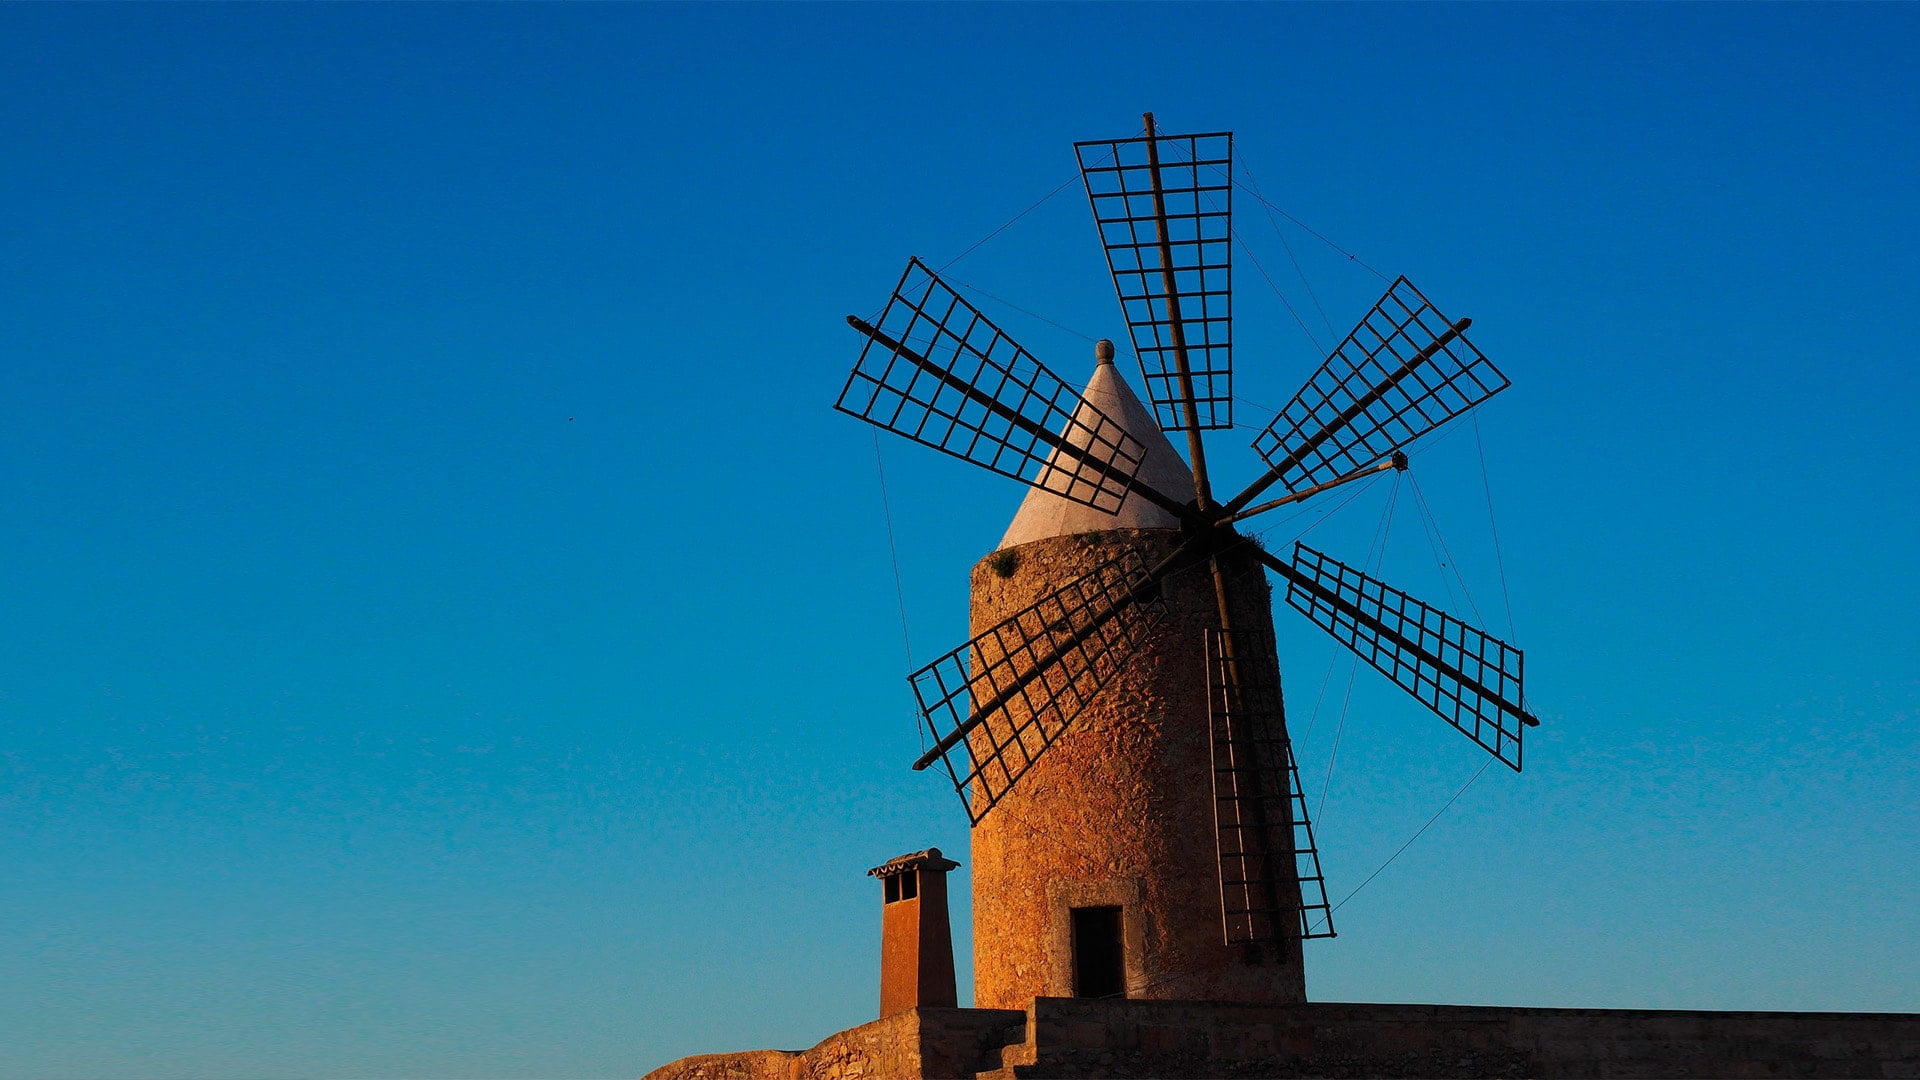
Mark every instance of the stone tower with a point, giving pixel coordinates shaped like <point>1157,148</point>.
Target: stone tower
<point>1097,874</point>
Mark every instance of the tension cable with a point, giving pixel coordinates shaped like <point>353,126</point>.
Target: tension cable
<point>1498,559</point>
<point>1409,843</point>
<point>1376,556</point>
<point>1288,304</point>
<point>899,590</point>
<point>1443,554</point>
<point>1005,225</point>
<point>1351,257</point>
<point>1253,185</point>
<point>1030,314</point>
<point>1237,237</point>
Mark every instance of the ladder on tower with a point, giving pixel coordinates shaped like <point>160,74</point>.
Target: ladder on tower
<point>1271,887</point>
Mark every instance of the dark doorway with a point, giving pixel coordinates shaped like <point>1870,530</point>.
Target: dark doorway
<point>1099,960</point>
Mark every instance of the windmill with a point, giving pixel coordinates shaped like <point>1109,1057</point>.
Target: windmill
<point>1178,582</point>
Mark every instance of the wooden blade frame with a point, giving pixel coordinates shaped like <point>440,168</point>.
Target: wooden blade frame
<point>1163,204</point>
<point>1270,881</point>
<point>1402,372</point>
<point>937,371</point>
<point>1470,678</point>
<point>998,701</point>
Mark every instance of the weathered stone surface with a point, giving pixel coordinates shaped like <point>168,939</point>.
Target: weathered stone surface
<point>1119,810</point>
<point>923,1042</point>
<point>1208,1039</point>
<point>1070,1038</point>
<point>744,1065</point>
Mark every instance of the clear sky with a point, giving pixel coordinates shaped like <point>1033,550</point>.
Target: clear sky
<point>444,630</point>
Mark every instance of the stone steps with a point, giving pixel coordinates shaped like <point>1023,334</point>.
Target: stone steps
<point>1019,1051</point>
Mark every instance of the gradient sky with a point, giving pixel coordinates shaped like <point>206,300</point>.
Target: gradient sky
<point>445,631</point>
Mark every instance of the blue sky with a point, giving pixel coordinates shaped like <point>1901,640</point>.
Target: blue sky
<point>448,633</point>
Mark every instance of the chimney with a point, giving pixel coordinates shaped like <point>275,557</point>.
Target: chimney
<point>916,941</point>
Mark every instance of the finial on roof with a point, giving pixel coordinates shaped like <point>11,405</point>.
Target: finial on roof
<point>1103,351</point>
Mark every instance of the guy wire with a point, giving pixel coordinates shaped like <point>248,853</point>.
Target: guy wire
<point>1239,238</point>
<point>1009,222</point>
<point>1443,554</point>
<point>1351,257</point>
<point>1410,840</point>
<point>1021,310</point>
<point>1379,549</point>
<point>1498,559</point>
<point>899,590</point>
<point>1254,186</point>
<point>1288,304</point>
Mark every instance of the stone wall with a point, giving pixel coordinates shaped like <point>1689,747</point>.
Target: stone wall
<point>918,1042</point>
<point>742,1065</point>
<point>1118,811</point>
<point>1081,1038</point>
<point>1070,1038</point>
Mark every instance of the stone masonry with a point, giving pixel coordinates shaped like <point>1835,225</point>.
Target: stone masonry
<point>1119,810</point>
<point>1079,1038</point>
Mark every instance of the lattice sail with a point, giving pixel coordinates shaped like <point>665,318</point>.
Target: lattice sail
<point>937,371</point>
<point>1270,880</point>
<point>1403,371</point>
<point>1165,204</point>
<point>1471,679</point>
<point>997,702</point>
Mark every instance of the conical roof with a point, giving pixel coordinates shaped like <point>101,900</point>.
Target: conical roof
<point>1045,514</point>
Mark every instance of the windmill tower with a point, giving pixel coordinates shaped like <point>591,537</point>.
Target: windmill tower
<point>1087,879</point>
<point>1115,726</point>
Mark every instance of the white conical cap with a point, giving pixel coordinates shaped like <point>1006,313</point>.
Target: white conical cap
<point>1045,514</point>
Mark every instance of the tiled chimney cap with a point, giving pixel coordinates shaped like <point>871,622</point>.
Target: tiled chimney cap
<point>930,859</point>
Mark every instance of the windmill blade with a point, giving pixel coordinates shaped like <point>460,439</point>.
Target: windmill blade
<point>1270,881</point>
<point>1163,204</point>
<point>1403,371</point>
<point>1471,679</point>
<point>937,371</point>
<point>998,701</point>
